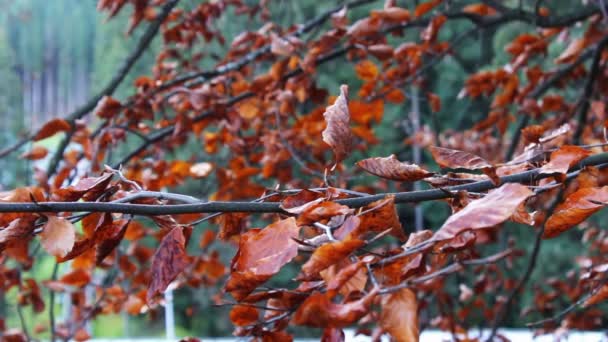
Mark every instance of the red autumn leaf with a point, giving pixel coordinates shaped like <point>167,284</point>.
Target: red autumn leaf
<point>112,239</point>
<point>494,208</point>
<point>337,134</point>
<point>37,152</point>
<point>426,7</point>
<point>399,315</point>
<point>391,168</point>
<point>455,159</point>
<point>479,9</point>
<point>345,277</point>
<point>434,102</point>
<point>242,315</point>
<point>381,51</point>
<point>107,107</point>
<point>322,211</point>
<point>366,70</point>
<point>76,278</point>
<point>564,158</point>
<point>51,128</point>
<point>88,188</point>
<point>58,236</point>
<point>319,311</point>
<point>18,230</point>
<point>379,216</point>
<point>329,254</point>
<point>168,262</point>
<point>332,335</point>
<point>261,254</point>
<point>575,209</point>
<point>599,296</point>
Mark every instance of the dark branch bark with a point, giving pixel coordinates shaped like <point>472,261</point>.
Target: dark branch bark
<point>212,207</point>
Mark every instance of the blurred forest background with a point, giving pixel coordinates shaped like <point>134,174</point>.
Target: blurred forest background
<point>55,54</point>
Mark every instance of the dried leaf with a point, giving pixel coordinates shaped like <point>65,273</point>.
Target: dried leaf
<point>379,216</point>
<point>426,7</point>
<point>564,158</point>
<point>168,262</point>
<point>399,315</point>
<point>391,168</point>
<point>448,158</point>
<point>107,107</point>
<point>329,254</point>
<point>575,209</point>
<point>37,152</point>
<point>242,315</point>
<point>261,254</point>
<point>58,236</point>
<point>366,70</point>
<point>88,188</point>
<point>337,134</point>
<point>319,311</point>
<point>51,128</point>
<point>479,9</point>
<point>495,208</point>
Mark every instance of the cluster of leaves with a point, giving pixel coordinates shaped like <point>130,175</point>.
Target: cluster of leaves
<point>359,266</point>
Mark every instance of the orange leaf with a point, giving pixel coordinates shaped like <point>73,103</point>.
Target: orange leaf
<point>51,128</point>
<point>598,297</point>
<point>495,208</point>
<point>563,159</point>
<point>107,107</point>
<point>399,316</point>
<point>319,311</point>
<point>575,209</point>
<point>479,9</point>
<point>337,134</point>
<point>426,7</point>
<point>329,254</point>
<point>58,236</point>
<point>379,216</point>
<point>77,278</point>
<point>391,168</point>
<point>242,315</point>
<point>37,152</point>
<point>168,262</point>
<point>434,102</point>
<point>261,254</point>
<point>395,96</point>
<point>366,70</point>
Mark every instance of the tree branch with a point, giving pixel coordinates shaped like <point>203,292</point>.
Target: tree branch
<point>268,207</point>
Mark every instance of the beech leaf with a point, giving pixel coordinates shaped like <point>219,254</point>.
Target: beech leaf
<point>58,236</point>
<point>51,128</point>
<point>577,207</point>
<point>455,159</point>
<point>564,158</point>
<point>494,208</point>
<point>391,168</point>
<point>337,134</point>
<point>399,315</point>
<point>168,262</point>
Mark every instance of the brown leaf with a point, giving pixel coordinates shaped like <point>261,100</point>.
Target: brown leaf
<point>399,315</point>
<point>107,107</point>
<point>345,277</point>
<point>322,211</point>
<point>58,236</point>
<point>168,262</point>
<point>379,216</point>
<point>434,102</point>
<point>455,159</point>
<point>575,209</point>
<point>261,254</point>
<point>479,9</point>
<point>329,254</point>
<point>319,311</point>
<point>37,152</point>
<point>18,230</point>
<point>242,315</point>
<point>426,7</point>
<point>496,207</point>
<point>51,128</point>
<point>88,188</point>
<point>599,296</point>
<point>112,239</point>
<point>391,168</point>
<point>366,70</point>
<point>337,134</point>
<point>563,159</point>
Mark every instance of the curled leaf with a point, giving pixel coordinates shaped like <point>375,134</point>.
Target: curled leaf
<point>391,168</point>
<point>337,134</point>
